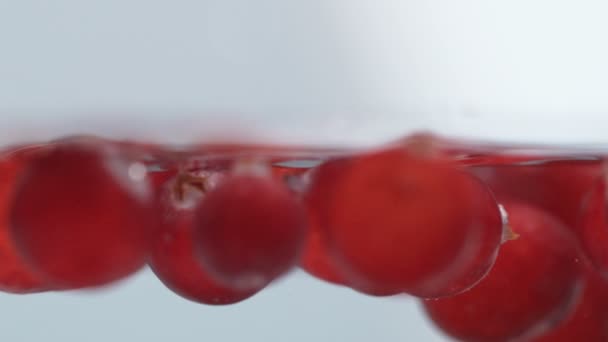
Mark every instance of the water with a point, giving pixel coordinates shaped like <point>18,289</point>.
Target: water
<point>297,307</point>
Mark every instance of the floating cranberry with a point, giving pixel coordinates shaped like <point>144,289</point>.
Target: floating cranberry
<point>401,222</point>
<point>81,214</point>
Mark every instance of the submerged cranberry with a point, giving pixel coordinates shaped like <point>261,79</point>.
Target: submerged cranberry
<point>588,320</point>
<point>593,226</point>
<point>173,257</point>
<point>531,288</point>
<point>249,230</point>
<point>558,186</point>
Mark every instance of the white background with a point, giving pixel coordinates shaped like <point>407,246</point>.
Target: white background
<point>315,71</point>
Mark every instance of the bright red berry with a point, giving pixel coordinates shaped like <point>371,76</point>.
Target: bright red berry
<point>530,289</point>
<point>318,259</point>
<point>81,214</point>
<point>397,222</point>
<point>15,275</point>
<point>249,230</point>
<point>173,259</point>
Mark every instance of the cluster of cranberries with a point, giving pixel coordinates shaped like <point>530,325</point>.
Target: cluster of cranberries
<point>496,247</point>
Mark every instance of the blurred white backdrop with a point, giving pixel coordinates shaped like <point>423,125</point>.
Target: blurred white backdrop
<point>323,71</point>
<point>314,71</point>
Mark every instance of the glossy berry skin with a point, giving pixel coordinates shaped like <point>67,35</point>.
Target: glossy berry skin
<point>249,230</point>
<point>593,226</point>
<point>82,214</point>
<point>173,260</point>
<point>530,289</point>
<point>483,246</point>
<point>15,275</point>
<point>398,222</point>
<point>318,259</point>
<point>588,320</point>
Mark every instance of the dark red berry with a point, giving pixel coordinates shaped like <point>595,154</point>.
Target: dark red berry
<point>249,230</point>
<point>15,275</point>
<point>81,214</point>
<point>531,287</point>
<point>173,259</point>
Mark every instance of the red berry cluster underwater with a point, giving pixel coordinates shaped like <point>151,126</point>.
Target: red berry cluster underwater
<point>497,246</point>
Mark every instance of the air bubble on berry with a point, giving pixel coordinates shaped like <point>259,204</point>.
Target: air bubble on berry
<point>137,172</point>
<point>132,176</point>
